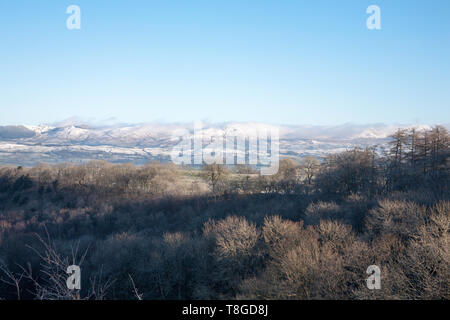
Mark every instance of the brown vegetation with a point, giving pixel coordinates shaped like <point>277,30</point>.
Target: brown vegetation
<point>163,232</point>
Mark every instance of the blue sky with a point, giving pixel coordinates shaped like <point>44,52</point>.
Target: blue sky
<point>276,61</point>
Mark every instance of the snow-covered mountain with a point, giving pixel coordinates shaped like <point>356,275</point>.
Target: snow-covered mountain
<point>73,141</point>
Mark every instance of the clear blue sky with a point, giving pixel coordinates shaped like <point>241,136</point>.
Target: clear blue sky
<point>277,61</point>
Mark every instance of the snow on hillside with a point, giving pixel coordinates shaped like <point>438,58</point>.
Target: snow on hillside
<point>38,130</point>
<point>78,142</point>
<point>384,132</point>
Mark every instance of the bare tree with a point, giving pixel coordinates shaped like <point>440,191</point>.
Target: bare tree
<point>309,166</point>
<point>13,278</point>
<point>398,143</point>
<point>135,290</point>
<point>51,281</point>
<point>215,173</point>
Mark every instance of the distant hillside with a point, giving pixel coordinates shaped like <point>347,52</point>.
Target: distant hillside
<point>78,142</point>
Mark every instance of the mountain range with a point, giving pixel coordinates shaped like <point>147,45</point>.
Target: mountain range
<point>78,142</point>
